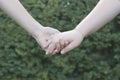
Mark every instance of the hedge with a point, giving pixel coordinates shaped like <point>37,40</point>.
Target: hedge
<point>21,58</point>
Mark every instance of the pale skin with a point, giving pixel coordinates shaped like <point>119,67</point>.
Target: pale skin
<point>103,13</point>
<point>18,13</point>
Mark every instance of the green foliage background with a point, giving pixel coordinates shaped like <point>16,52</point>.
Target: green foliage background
<point>21,58</point>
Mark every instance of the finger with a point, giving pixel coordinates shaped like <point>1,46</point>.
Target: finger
<point>62,43</point>
<point>66,43</point>
<point>54,52</point>
<point>71,46</point>
<point>57,48</point>
<point>50,49</point>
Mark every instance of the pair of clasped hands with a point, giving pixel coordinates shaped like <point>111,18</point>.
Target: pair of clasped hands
<point>54,41</point>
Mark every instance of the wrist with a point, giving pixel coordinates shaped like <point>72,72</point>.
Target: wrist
<point>36,30</point>
<point>80,32</point>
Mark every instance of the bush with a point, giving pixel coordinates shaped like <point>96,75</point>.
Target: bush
<point>21,58</point>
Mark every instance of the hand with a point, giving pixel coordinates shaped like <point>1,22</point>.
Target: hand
<point>73,39</point>
<point>42,35</point>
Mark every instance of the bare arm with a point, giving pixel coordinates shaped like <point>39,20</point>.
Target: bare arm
<point>17,12</point>
<point>104,12</point>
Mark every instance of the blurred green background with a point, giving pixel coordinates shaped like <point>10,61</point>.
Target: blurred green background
<point>21,58</point>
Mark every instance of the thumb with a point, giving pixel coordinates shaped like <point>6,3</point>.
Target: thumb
<point>71,46</point>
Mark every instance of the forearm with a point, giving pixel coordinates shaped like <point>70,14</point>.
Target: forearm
<point>104,12</point>
<point>18,13</point>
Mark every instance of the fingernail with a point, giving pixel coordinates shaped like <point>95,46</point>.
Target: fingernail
<point>46,53</point>
<point>62,52</point>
